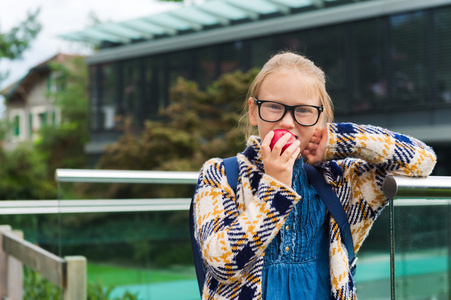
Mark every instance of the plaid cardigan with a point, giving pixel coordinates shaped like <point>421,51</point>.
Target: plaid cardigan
<point>233,230</point>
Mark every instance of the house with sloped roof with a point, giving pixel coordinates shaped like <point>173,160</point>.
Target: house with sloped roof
<point>29,103</point>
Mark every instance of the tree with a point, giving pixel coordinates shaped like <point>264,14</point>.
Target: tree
<point>196,126</point>
<point>63,145</point>
<point>19,38</point>
<point>23,173</point>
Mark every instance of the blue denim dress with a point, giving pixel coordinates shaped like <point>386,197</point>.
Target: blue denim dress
<point>296,263</point>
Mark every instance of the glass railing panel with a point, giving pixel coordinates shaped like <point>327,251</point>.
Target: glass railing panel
<point>372,278</point>
<point>147,254</point>
<point>422,248</point>
<point>37,228</point>
<point>420,236</point>
<point>134,245</point>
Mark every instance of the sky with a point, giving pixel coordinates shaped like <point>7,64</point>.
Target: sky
<point>64,16</point>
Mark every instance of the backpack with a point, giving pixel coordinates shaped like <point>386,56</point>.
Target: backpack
<point>325,192</point>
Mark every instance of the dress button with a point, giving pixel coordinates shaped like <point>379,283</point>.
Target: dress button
<point>287,228</point>
<point>287,248</point>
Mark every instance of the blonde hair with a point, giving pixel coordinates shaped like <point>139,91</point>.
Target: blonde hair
<point>289,61</point>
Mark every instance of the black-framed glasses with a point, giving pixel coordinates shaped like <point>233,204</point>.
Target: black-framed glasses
<point>304,115</point>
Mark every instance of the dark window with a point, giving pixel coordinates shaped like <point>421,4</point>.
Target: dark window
<point>30,124</point>
<point>93,97</point>
<point>368,63</point>
<point>261,50</point>
<point>130,95</point>
<point>409,65</point>
<point>207,66</point>
<point>232,57</point>
<point>110,110</point>
<point>16,126</point>
<point>297,41</point>
<point>327,49</point>
<point>442,63</point>
<point>179,64</point>
<point>43,119</point>
<point>153,83</point>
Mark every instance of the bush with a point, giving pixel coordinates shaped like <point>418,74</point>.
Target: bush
<point>24,175</point>
<point>37,287</point>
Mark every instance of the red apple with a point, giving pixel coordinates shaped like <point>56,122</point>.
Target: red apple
<point>278,133</point>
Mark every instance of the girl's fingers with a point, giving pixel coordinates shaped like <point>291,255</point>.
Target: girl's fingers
<point>267,140</point>
<point>282,141</point>
<point>312,146</point>
<point>293,149</point>
<point>266,150</point>
<point>315,139</point>
<point>295,154</point>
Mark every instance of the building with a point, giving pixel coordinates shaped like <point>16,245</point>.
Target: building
<point>387,61</point>
<point>29,104</point>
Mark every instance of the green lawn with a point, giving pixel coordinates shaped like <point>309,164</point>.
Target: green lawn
<point>111,275</point>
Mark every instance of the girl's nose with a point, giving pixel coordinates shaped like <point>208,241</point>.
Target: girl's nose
<point>287,121</point>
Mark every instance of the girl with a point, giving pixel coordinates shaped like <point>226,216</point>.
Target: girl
<point>273,238</point>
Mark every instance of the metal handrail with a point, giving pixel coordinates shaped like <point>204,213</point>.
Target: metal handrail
<point>19,207</point>
<point>421,187</point>
<point>393,186</point>
<point>125,176</point>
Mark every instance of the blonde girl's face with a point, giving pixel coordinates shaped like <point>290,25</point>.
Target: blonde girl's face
<point>289,88</point>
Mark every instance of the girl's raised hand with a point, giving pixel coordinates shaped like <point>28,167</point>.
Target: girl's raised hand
<point>278,164</point>
<point>315,151</point>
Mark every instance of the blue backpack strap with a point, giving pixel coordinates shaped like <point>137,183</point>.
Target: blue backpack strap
<point>334,206</point>
<point>231,170</point>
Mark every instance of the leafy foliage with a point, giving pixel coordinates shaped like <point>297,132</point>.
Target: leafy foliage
<point>63,146</point>
<point>19,38</point>
<point>23,174</point>
<point>97,292</point>
<point>37,287</point>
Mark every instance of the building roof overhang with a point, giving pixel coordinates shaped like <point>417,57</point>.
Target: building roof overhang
<point>218,21</point>
<point>188,19</point>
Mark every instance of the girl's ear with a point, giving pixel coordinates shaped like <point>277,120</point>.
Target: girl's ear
<point>252,111</point>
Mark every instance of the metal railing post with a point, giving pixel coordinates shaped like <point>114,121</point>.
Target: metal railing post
<point>392,251</point>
